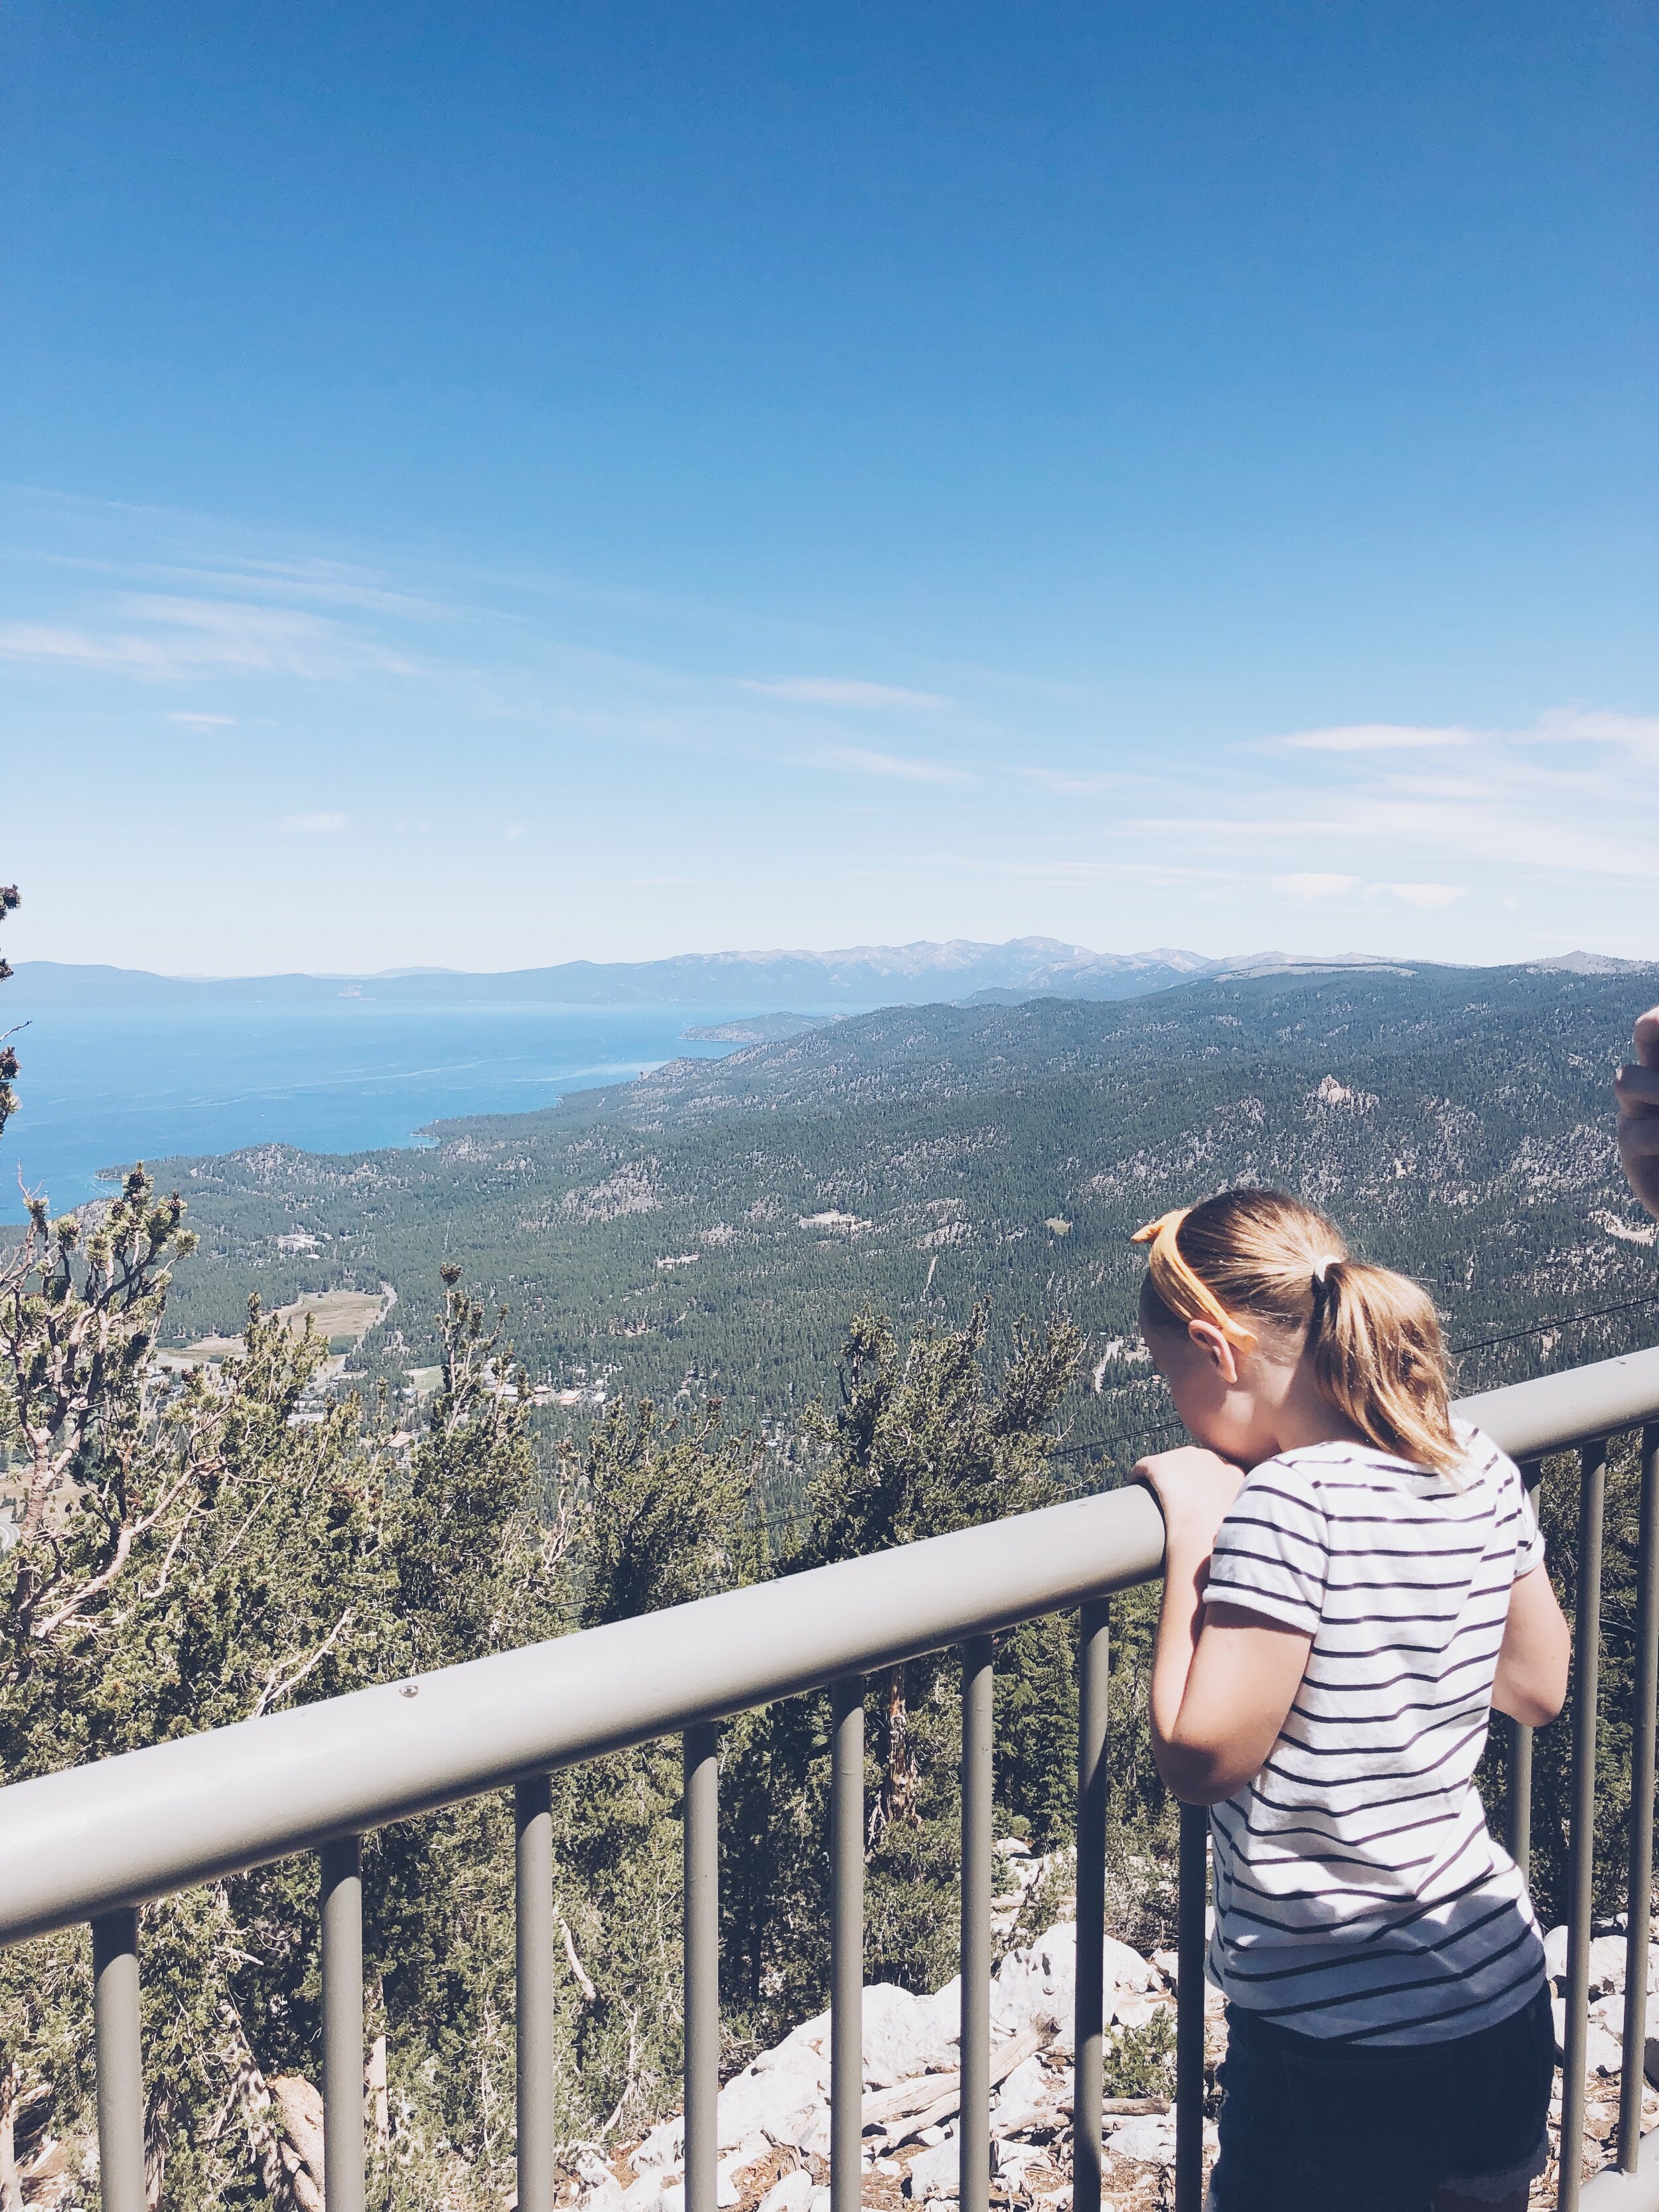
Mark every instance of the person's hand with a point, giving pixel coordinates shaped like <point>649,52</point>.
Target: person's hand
<point>1194,1489</point>
<point>1637,1090</point>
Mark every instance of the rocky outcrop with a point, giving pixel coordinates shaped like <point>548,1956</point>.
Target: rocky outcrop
<point>774,2117</point>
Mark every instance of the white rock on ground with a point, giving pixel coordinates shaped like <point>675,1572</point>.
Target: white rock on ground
<point>782,2101</point>
<point>793,2193</point>
<point>1606,1963</point>
<point>936,2172</point>
<point>1604,2050</point>
<point>1148,2139</point>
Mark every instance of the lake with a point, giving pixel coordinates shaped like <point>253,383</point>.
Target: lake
<point>106,1086</point>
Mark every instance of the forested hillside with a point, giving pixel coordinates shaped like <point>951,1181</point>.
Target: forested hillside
<point>711,1228</point>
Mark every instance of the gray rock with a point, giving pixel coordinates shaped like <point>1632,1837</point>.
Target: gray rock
<point>792,2193</point>
<point>1603,2052</point>
<point>935,2173</point>
<point>1029,2097</point>
<point>1149,2141</point>
<point>782,2095</point>
<point>1040,1981</point>
<point>905,2034</point>
<point>1607,1962</point>
<point>664,2147</point>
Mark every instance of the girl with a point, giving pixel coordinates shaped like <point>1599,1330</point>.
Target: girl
<point>1352,1581</point>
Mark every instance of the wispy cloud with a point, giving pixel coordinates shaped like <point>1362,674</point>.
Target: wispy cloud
<point>842,691</point>
<point>1427,895</point>
<point>1315,886</point>
<point>1636,734</point>
<point>161,638</point>
<point>1367,738</point>
<point>1071,783</point>
<point>314,825</point>
<point>856,761</point>
<point>204,721</point>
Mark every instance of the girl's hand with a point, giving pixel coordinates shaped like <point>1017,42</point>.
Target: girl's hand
<point>1194,1489</point>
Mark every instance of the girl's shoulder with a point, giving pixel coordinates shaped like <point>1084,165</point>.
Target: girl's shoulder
<point>1483,1460</point>
<point>1325,1472</point>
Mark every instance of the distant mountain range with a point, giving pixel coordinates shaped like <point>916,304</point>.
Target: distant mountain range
<point>959,971</point>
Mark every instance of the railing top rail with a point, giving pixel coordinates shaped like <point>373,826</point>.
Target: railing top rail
<point>1573,1408</point>
<point>123,1830</point>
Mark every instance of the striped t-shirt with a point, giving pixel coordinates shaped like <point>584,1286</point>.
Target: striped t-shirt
<point>1358,1895</point>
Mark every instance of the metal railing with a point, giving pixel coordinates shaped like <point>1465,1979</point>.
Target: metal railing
<point>94,1843</point>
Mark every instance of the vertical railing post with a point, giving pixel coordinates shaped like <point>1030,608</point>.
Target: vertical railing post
<point>1638,1892</point>
<point>1517,1805</point>
<point>1192,1898</point>
<point>974,2112</point>
<point>847,1945</point>
<point>120,2062</point>
<point>344,2176</point>
<point>1089,2025</point>
<point>532,1812</point>
<point>1581,1870</point>
<point>702,1967</point>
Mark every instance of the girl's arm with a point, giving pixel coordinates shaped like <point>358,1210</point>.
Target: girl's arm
<point>1223,1679</point>
<point>1531,1683</point>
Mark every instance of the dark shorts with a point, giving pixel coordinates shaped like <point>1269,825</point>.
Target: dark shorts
<point>1314,2126</point>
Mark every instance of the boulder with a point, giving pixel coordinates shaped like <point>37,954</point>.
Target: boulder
<point>1040,1981</point>
<point>793,2193</point>
<point>1603,2051</point>
<point>726,2191</point>
<point>1031,2097</point>
<point>1606,1963</point>
<point>1148,2140</point>
<point>1010,2161</point>
<point>936,2172</point>
<point>905,2034</point>
<point>790,2113</point>
<point>664,2147</point>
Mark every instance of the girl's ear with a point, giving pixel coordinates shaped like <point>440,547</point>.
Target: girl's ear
<point>1216,1348</point>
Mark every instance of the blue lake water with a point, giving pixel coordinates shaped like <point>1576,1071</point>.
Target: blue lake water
<point>103,1086</point>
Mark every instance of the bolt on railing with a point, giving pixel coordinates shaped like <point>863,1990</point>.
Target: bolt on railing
<point>93,1843</point>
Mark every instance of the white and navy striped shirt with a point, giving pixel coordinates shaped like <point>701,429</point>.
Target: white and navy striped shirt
<point>1359,1894</point>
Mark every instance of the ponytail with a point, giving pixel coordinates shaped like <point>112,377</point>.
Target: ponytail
<point>1379,1359</point>
<point>1262,1256</point>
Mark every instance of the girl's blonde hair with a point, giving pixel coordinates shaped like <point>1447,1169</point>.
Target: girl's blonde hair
<point>1374,1336</point>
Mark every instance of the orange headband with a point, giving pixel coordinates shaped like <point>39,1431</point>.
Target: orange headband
<point>1187,1296</point>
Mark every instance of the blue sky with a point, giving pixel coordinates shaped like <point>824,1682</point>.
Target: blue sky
<point>496,484</point>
